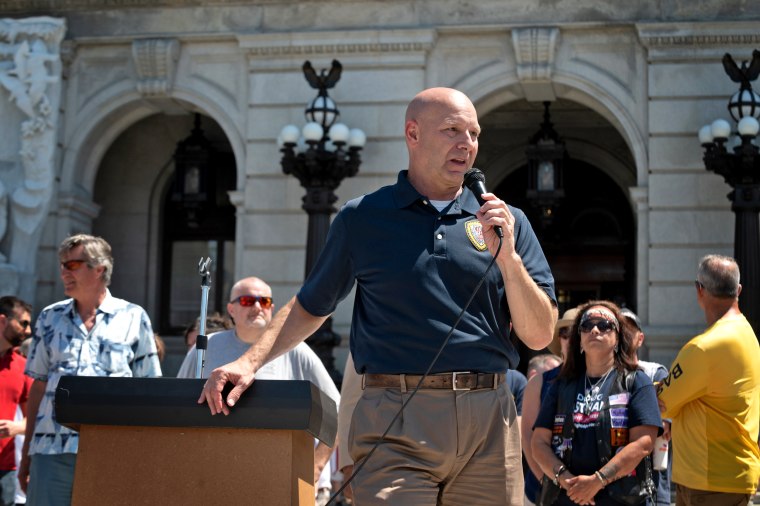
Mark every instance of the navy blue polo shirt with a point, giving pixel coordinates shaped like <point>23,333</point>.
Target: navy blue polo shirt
<point>414,269</point>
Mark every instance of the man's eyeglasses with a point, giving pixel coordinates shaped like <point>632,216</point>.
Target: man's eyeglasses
<point>73,265</point>
<point>603,325</point>
<point>698,284</point>
<point>250,300</point>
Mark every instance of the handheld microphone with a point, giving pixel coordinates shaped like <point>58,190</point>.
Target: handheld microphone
<point>475,181</point>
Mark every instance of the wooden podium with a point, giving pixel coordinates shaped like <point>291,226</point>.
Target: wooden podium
<point>146,441</point>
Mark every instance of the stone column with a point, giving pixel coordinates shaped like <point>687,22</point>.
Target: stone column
<point>640,198</point>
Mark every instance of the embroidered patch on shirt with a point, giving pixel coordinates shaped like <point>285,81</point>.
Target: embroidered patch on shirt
<point>619,417</point>
<point>474,231</point>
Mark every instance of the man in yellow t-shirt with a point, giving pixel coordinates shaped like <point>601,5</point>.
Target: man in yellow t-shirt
<point>713,396</point>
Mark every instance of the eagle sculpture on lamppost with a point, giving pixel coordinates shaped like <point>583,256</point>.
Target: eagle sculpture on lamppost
<point>324,80</point>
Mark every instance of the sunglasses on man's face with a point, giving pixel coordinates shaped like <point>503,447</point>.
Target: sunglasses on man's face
<point>602,325</point>
<point>73,265</point>
<point>250,300</point>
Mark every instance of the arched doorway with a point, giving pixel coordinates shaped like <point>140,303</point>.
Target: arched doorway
<point>156,243</point>
<point>590,242</point>
<point>198,222</point>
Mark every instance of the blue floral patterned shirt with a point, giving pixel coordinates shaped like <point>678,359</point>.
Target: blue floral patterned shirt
<point>121,343</point>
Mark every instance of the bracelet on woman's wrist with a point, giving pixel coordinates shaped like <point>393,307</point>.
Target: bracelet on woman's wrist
<point>561,469</point>
<point>601,477</point>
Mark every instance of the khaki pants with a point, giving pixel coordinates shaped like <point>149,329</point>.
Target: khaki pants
<point>686,496</point>
<point>447,448</point>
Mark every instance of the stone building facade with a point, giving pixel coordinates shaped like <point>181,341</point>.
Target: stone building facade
<point>96,94</point>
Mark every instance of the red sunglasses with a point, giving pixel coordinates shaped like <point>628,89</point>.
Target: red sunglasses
<point>73,265</point>
<point>250,300</point>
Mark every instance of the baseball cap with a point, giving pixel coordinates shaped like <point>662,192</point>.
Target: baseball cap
<point>567,320</point>
<point>631,316</point>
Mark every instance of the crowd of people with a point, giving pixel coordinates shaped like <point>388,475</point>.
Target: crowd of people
<point>431,410</point>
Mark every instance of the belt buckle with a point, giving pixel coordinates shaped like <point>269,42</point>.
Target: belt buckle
<point>454,385</point>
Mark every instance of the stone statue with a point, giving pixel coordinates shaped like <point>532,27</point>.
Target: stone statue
<point>30,73</point>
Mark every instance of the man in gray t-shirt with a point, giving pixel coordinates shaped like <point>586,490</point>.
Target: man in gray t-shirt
<point>251,309</point>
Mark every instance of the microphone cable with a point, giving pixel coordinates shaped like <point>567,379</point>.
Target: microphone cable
<point>419,383</point>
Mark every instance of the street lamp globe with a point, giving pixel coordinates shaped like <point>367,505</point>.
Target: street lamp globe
<point>705,135</point>
<point>289,134</point>
<point>322,110</point>
<point>748,126</point>
<point>744,102</point>
<point>721,129</point>
<point>356,138</point>
<point>339,133</point>
<point>312,132</point>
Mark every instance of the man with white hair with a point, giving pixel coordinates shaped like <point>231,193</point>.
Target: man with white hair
<point>90,334</point>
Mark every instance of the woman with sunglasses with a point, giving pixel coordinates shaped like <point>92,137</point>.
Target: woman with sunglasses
<point>598,421</point>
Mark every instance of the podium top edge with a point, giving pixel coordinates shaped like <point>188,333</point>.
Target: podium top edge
<point>173,402</point>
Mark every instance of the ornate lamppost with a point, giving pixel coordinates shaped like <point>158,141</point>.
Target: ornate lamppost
<point>740,167</point>
<point>546,155</point>
<point>321,155</point>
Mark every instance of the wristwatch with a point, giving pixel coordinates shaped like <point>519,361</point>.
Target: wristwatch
<point>561,469</point>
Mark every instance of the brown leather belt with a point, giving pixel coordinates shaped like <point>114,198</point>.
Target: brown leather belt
<point>448,381</point>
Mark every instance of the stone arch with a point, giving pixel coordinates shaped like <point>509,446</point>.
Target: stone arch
<point>106,116</point>
<point>111,112</point>
<point>489,89</point>
<point>596,98</point>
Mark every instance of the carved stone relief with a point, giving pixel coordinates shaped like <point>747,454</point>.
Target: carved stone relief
<point>155,62</point>
<point>535,53</point>
<point>30,78</point>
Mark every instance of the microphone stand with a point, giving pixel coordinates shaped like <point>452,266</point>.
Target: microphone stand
<point>201,343</point>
